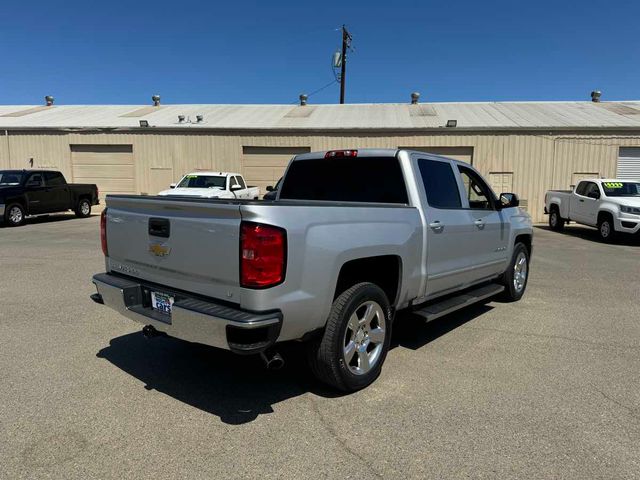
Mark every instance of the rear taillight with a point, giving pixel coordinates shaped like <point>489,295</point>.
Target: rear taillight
<point>103,232</point>
<point>262,255</point>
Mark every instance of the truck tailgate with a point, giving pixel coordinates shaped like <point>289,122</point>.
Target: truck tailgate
<point>183,244</point>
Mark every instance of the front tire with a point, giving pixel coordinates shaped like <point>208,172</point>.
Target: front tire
<point>83,209</point>
<point>516,276</point>
<point>556,222</point>
<point>356,339</point>
<point>606,229</point>
<point>14,215</point>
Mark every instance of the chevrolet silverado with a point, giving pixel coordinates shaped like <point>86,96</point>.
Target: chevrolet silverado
<point>353,237</point>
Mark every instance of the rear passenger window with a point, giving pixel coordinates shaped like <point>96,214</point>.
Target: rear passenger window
<point>440,184</point>
<point>359,179</point>
<point>54,179</point>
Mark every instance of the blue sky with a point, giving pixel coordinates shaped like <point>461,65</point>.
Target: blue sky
<point>239,51</point>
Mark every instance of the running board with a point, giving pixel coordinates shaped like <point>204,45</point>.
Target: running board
<point>456,302</point>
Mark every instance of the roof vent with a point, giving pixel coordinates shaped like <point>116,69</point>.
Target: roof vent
<point>303,99</point>
<point>156,100</point>
<point>48,100</point>
<point>415,97</point>
<point>180,118</point>
<point>199,118</point>
<point>595,96</point>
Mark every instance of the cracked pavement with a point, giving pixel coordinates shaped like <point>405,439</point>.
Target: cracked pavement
<point>548,387</point>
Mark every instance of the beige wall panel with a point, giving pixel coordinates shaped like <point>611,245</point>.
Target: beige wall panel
<point>160,179</point>
<point>109,185</point>
<point>110,167</point>
<point>538,161</point>
<point>269,161</point>
<point>103,171</point>
<point>263,165</point>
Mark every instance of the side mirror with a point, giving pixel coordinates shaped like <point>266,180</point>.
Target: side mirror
<point>235,187</point>
<point>509,200</point>
<point>173,185</point>
<point>270,188</point>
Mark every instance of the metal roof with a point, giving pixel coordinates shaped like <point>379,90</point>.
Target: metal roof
<point>393,117</point>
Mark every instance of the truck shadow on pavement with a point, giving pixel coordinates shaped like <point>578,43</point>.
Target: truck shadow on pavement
<point>592,234</point>
<point>53,218</point>
<point>237,388</point>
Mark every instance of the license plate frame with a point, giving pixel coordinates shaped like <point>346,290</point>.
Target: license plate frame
<point>162,302</point>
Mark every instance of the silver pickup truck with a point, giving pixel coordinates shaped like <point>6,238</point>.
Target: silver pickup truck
<point>352,237</point>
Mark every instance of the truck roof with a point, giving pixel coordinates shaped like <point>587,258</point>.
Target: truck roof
<point>219,174</point>
<point>601,180</point>
<point>373,152</point>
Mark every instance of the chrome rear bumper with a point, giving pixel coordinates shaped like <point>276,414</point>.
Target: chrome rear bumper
<point>192,319</point>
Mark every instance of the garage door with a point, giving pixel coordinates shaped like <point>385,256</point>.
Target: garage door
<point>263,166</point>
<point>464,154</point>
<point>108,166</point>
<point>629,163</point>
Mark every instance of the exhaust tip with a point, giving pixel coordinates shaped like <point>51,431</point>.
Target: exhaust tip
<point>272,361</point>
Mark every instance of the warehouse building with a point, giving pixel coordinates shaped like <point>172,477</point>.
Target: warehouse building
<point>524,147</point>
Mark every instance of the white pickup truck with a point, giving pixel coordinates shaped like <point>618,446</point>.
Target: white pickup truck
<point>613,206</point>
<point>212,185</point>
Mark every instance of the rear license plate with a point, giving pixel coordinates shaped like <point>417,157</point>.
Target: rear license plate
<point>162,302</point>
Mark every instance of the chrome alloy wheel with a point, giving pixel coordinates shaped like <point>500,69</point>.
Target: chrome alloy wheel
<point>520,268</point>
<point>15,215</point>
<point>364,338</point>
<point>85,208</point>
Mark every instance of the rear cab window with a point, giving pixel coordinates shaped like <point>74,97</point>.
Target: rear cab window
<point>440,184</point>
<point>54,179</point>
<point>350,179</point>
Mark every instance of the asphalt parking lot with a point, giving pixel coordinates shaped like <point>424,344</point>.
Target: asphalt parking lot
<point>545,388</point>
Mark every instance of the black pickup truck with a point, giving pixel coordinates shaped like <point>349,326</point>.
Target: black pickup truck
<point>37,192</point>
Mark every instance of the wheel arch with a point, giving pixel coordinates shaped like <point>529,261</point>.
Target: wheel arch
<point>384,271</point>
<point>526,239</point>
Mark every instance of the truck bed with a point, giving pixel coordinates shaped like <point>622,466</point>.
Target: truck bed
<point>238,201</point>
<point>200,249</point>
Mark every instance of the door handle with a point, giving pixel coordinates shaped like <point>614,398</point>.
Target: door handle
<point>479,223</point>
<point>581,201</point>
<point>436,226</point>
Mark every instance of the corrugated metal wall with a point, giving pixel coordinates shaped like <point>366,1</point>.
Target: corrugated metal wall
<point>538,161</point>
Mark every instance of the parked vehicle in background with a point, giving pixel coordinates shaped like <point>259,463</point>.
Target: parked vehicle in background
<point>610,205</point>
<point>272,192</point>
<point>36,192</point>
<point>355,236</point>
<point>212,185</point>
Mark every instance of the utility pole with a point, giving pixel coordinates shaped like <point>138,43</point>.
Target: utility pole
<point>346,42</point>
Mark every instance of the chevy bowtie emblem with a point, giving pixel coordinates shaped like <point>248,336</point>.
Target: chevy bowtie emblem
<point>159,250</point>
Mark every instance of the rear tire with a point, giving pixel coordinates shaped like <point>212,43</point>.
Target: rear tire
<point>83,209</point>
<point>14,215</point>
<point>606,229</point>
<point>516,277</point>
<point>356,339</point>
<point>556,222</point>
